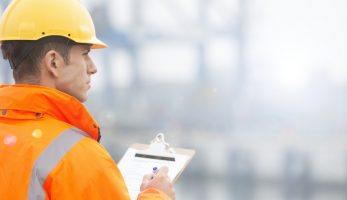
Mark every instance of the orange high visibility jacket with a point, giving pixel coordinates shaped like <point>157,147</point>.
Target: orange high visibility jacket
<point>49,149</point>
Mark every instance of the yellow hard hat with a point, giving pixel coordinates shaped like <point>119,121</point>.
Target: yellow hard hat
<point>35,19</point>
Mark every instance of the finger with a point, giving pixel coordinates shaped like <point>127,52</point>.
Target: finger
<point>163,170</point>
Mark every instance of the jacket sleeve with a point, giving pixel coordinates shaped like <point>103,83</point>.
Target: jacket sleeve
<point>86,172</point>
<point>152,194</point>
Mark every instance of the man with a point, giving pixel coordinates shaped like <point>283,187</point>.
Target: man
<point>48,141</point>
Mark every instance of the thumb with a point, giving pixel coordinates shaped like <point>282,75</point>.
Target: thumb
<point>145,181</point>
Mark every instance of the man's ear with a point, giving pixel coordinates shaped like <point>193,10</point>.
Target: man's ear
<point>53,62</point>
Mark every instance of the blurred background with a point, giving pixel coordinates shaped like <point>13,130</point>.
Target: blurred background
<point>257,87</point>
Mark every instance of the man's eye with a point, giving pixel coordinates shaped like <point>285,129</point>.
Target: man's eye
<point>86,52</point>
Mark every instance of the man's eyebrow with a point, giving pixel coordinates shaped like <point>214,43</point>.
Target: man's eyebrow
<point>87,47</point>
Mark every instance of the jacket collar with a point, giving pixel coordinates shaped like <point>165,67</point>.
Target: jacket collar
<point>43,100</point>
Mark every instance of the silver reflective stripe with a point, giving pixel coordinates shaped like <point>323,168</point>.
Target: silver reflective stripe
<point>49,158</point>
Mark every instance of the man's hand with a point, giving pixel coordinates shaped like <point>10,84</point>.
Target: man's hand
<point>160,181</point>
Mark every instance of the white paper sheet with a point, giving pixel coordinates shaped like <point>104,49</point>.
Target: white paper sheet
<point>134,168</point>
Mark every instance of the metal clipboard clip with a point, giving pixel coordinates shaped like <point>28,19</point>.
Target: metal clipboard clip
<point>158,148</point>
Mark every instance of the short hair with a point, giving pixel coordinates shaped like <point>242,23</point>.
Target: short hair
<point>25,55</point>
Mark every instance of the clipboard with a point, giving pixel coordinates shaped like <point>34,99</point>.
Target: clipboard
<point>139,159</point>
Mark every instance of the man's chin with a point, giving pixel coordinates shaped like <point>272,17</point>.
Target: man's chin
<point>82,98</point>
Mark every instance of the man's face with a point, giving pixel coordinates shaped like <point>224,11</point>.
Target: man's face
<point>74,78</point>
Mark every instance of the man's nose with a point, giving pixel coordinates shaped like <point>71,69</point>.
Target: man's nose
<point>92,67</point>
